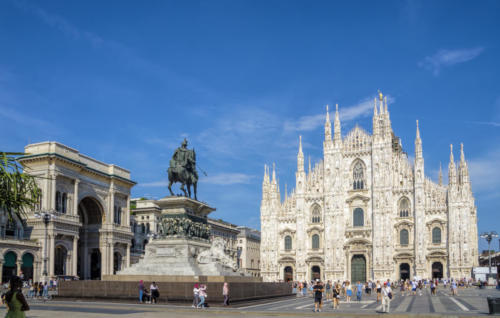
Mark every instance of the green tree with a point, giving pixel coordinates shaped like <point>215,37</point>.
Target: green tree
<point>18,190</point>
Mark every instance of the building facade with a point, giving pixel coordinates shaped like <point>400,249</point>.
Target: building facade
<point>90,234</point>
<point>249,250</point>
<point>367,212</point>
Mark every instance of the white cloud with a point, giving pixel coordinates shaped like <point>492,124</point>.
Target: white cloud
<point>308,123</point>
<point>227,179</point>
<point>217,179</point>
<point>445,58</point>
<point>487,123</point>
<point>484,173</point>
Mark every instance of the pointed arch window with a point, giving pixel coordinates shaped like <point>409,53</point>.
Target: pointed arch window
<point>404,208</point>
<point>358,176</point>
<point>288,243</point>
<point>315,241</point>
<point>403,237</point>
<point>436,235</point>
<point>358,218</point>
<point>316,215</point>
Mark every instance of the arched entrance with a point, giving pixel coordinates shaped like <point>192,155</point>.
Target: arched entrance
<point>89,256</point>
<point>404,271</point>
<point>27,267</point>
<point>358,269</point>
<point>61,254</point>
<point>437,270</point>
<point>117,265</point>
<point>9,266</point>
<point>288,274</point>
<point>315,272</point>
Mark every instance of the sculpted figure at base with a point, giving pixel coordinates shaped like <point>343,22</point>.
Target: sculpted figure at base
<point>183,170</point>
<point>216,254</point>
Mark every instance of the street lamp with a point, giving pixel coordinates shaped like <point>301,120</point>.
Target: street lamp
<point>46,217</point>
<point>489,237</point>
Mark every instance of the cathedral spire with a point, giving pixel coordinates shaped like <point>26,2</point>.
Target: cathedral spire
<point>452,172</point>
<point>375,113</point>
<point>385,105</point>
<point>300,157</point>
<point>440,177</point>
<point>337,138</point>
<point>463,171</point>
<point>266,177</point>
<point>309,171</point>
<point>274,174</point>
<point>328,126</point>
<point>381,99</point>
<point>418,144</point>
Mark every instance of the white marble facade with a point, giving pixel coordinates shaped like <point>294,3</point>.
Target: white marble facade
<point>367,212</point>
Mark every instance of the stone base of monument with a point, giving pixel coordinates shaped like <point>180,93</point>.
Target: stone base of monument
<point>172,290</point>
<point>183,246</point>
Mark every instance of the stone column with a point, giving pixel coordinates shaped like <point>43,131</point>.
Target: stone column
<point>111,207</point>
<point>127,260</point>
<point>51,260</point>
<point>18,267</point>
<point>75,198</point>
<point>52,193</point>
<point>74,261</point>
<point>1,269</point>
<point>127,214</point>
<point>111,259</point>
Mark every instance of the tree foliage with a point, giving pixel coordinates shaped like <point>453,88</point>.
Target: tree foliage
<point>18,190</point>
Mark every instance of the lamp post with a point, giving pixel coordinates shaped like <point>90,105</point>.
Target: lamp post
<point>46,216</point>
<point>489,237</point>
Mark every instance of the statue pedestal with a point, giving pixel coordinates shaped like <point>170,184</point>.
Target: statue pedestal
<point>183,247</point>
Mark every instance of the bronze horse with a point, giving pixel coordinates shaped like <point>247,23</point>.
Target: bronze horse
<point>185,176</point>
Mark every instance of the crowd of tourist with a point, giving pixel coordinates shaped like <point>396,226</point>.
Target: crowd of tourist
<point>334,291</point>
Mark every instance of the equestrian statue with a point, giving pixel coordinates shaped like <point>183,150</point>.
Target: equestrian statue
<point>183,170</point>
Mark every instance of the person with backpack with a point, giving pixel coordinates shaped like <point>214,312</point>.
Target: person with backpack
<point>202,295</point>
<point>318,295</point>
<point>15,300</point>
<point>386,298</point>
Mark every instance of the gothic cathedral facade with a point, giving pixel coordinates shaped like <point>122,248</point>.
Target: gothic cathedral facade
<point>365,212</point>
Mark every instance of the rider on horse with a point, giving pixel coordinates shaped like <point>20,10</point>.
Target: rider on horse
<point>183,168</point>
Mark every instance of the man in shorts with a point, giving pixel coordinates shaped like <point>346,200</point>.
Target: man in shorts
<point>318,295</point>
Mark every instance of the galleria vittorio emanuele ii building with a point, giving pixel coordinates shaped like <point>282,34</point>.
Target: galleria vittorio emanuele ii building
<point>367,212</point>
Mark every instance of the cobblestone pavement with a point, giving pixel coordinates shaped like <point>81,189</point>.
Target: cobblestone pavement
<point>469,302</point>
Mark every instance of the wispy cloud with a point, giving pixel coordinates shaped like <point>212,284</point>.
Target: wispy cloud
<point>486,123</point>
<point>445,58</point>
<point>308,123</point>
<point>484,173</point>
<point>58,22</point>
<point>228,179</point>
<point>216,179</point>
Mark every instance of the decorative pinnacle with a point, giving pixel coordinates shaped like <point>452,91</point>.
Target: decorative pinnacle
<point>375,113</point>
<point>380,96</point>
<point>462,156</point>
<point>452,159</point>
<point>418,131</point>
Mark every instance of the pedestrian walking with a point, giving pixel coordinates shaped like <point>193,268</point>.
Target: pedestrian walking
<point>196,296</point>
<point>348,291</point>
<point>359,291</point>
<point>141,290</point>
<point>304,289</point>
<point>318,295</point>
<point>328,290</point>
<point>336,296</point>
<point>16,303</point>
<point>453,286</point>
<point>203,295</point>
<point>379,291</point>
<point>225,293</point>
<point>386,298</point>
<point>155,293</point>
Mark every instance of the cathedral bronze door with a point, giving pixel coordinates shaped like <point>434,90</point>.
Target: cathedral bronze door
<point>288,274</point>
<point>358,269</point>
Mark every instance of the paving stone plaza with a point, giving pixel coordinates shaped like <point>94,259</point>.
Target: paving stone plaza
<point>469,302</point>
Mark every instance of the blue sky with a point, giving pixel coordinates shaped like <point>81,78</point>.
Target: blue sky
<point>125,82</point>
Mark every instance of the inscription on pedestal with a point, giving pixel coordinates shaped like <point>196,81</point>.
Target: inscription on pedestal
<point>165,251</point>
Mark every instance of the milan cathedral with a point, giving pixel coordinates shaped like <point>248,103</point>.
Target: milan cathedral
<point>366,212</point>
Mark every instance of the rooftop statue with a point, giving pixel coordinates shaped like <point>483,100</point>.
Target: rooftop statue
<point>183,170</point>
